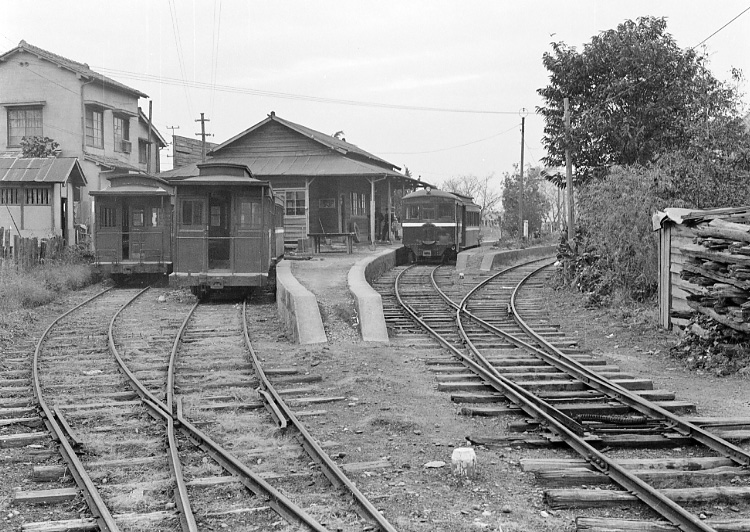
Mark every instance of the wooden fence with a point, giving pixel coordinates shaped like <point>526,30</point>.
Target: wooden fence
<point>25,253</point>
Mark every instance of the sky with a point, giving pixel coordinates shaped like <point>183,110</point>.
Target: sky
<point>436,86</point>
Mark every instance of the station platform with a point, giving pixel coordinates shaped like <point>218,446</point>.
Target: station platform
<point>339,282</point>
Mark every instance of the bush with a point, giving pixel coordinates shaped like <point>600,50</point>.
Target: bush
<point>43,284</point>
<point>617,252</point>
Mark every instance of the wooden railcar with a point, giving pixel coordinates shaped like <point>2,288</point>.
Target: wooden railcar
<point>133,227</point>
<point>438,224</point>
<point>228,230</point>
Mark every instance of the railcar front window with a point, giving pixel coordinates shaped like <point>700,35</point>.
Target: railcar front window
<point>428,213</point>
<point>412,212</point>
<point>445,210</point>
<point>192,212</point>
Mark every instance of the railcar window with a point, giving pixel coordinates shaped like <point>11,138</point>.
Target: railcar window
<point>192,212</point>
<point>428,213</point>
<point>250,214</point>
<point>445,210</point>
<point>139,217</point>
<point>155,216</point>
<point>412,212</point>
<point>107,217</point>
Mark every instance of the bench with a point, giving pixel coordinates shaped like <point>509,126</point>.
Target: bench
<point>318,236</point>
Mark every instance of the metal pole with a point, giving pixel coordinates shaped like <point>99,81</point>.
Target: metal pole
<point>569,176</point>
<point>523,113</point>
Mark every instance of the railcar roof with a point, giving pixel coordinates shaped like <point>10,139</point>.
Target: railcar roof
<point>428,192</point>
<point>130,190</point>
<point>219,180</point>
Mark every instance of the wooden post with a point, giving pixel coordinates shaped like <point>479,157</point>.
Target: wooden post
<point>569,177</point>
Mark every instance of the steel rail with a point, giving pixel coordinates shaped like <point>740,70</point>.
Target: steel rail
<point>330,469</point>
<point>182,500</point>
<point>515,392</point>
<point>627,397</point>
<point>96,504</point>
<point>279,502</point>
<point>661,504</point>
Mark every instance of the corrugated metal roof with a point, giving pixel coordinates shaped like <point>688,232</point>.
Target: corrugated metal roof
<point>302,165</point>
<point>41,170</point>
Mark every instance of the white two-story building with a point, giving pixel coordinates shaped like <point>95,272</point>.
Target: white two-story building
<point>93,118</point>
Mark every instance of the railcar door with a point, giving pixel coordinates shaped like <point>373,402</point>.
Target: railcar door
<point>191,246</point>
<point>249,249</point>
<point>219,241</point>
<point>108,230</point>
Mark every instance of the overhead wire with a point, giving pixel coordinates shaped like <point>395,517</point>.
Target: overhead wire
<point>216,34</point>
<point>450,147</point>
<point>180,58</point>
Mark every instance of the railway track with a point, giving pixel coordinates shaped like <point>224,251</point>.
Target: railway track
<point>114,378</point>
<point>632,444</point>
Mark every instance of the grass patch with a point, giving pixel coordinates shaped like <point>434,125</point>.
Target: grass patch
<point>43,284</point>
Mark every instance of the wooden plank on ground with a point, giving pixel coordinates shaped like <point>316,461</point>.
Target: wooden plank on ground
<point>68,525</point>
<point>610,524</point>
<point>45,496</point>
<point>20,440</point>
<point>581,498</point>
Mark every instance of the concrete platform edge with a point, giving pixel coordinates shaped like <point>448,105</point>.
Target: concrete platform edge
<point>492,261</point>
<point>367,301</point>
<point>297,307</point>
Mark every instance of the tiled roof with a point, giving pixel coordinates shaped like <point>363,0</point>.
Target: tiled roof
<point>80,68</point>
<point>41,170</point>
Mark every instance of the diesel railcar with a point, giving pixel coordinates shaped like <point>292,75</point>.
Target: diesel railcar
<point>132,228</point>
<point>229,230</point>
<point>438,224</point>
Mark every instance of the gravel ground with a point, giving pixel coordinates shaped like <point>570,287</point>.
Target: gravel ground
<point>393,410</point>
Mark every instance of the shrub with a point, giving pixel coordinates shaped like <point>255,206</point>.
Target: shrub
<point>617,252</point>
<point>42,284</point>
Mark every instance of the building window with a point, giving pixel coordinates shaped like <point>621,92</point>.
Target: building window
<point>107,217</point>
<point>359,204</point>
<point>37,196</point>
<point>94,127</point>
<point>23,122</point>
<point>9,196</point>
<point>192,212</point>
<point>142,151</point>
<point>122,133</point>
<point>295,203</point>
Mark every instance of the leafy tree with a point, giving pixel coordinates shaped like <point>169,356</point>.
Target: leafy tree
<point>635,96</point>
<point>38,147</point>
<point>481,189</point>
<point>535,204</point>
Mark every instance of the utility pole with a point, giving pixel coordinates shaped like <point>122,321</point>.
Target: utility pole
<point>523,114</point>
<point>173,147</point>
<point>203,136</point>
<point>569,176</point>
<point>149,151</point>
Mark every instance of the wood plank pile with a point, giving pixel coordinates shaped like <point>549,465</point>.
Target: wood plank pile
<point>718,267</point>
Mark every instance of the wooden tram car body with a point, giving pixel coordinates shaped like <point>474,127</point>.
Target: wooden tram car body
<point>438,224</point>
<point>133,226</point>
<point>228,230</point>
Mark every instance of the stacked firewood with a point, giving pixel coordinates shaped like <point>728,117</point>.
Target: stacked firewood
<point>718,265</point>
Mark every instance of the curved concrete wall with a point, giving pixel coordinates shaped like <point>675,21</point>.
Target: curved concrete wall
<point>495,259</point>
<point>368,302</point>
<point>297,307</point>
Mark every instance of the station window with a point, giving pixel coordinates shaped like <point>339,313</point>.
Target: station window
<point>121,129</point>
<point>107,217</point>
<point>250,214</point>
<point>9,196</point>
<point>359,204</point>
<point>37,196</point>
<point>295,203</point>
<point>94,127</point>
<point>23,122</point>
<point>192,212</point>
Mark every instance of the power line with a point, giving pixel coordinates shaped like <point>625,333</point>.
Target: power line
<point>178,45</point>
<point>292,96</point>
<point>215,51</point>
<point>724,26</point>
<point>450,147</point>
